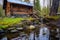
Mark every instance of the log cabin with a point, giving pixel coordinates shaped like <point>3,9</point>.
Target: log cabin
<point>17,7</point>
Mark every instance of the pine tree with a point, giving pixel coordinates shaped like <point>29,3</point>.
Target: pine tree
<point>36,9</point>
<point>37,5</point>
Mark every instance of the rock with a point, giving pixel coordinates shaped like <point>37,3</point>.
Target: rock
<point>23,35</point>
<point>13,17</point>
<point>13,31</point>
<point>2,32</point>
<point>11,28</point>
<point>19,28</point>
<point>31,27</point>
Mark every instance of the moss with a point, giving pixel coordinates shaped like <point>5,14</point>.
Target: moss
<point>3,26</point>
<point>30,18</point>
<point>53,17</point>
<point>6,22</point>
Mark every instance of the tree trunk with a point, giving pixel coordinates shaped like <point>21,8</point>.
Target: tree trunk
<point>54,7</point>
<point>4,4</point>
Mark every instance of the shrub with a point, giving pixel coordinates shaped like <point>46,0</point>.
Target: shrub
<point>1,11</point>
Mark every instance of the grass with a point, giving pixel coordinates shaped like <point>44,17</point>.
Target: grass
<point>6,22</point>
<point>59,9</point>
<point>44,11</point>
<point>1,10</point>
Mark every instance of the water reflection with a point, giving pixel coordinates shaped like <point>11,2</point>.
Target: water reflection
<point>4,38</point>
<point>24,36</point>
<point>37,34</point>
<point>44,33</point>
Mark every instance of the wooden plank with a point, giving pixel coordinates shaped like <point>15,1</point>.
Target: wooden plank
<point>17,9</point>
<point>8,9</point>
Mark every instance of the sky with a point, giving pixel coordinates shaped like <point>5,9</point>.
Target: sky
<point>44,4</point>
<point>1,2</point>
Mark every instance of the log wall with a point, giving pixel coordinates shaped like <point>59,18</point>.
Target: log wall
<point>7,9</point>
<point>18,9</point>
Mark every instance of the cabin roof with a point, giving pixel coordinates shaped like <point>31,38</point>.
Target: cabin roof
<point>20,2</point>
